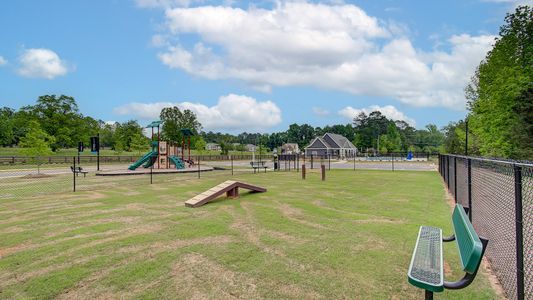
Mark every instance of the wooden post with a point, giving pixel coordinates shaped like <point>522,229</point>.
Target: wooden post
<point>303,171</point>
<point>323,168</point>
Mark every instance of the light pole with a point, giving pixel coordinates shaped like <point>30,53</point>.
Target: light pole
<point>466,136</point>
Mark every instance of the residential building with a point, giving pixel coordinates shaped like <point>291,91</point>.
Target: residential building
<point>331,144</point>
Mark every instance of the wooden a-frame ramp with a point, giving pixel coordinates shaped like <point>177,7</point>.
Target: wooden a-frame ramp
<point>230,187</point>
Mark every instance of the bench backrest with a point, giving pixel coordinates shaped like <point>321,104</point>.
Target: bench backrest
<point>468,242</point>
<point>257,163</point>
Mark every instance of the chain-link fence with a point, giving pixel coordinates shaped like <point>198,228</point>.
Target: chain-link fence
<point>499,195</point>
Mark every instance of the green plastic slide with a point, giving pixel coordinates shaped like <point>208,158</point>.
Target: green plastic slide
<point>146,158</point>
<point>177,162</point>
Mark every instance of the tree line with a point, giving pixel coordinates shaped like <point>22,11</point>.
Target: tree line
<point>55,123</point>
<point>500,96</point>
<point>369,133</point>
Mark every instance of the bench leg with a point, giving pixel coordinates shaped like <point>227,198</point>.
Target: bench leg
<point>429,295</point>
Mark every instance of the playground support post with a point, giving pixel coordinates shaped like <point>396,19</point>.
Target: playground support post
<point>151,174</point>
<point>303,171</point>
<point>297,160</point>
<point>354,163</point>
<point>323,169</point>
<point>311,161</point>
<point>329,161</point>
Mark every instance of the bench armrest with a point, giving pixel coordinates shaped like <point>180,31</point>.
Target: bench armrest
<point>468,277</point>
<point>450,238</point>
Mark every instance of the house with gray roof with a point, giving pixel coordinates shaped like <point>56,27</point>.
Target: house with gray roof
<point>331,144</point>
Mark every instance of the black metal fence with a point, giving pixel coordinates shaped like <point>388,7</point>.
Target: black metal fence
<point>113,159</point>
<point>499,194</point>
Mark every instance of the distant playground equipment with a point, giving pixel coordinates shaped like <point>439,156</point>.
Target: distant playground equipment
<point>165,154</point>
<point>230,187</point>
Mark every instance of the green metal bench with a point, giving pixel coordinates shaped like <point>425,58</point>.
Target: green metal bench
<point>426,268</point>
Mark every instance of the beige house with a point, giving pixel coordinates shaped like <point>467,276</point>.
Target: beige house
<point>290,148</point>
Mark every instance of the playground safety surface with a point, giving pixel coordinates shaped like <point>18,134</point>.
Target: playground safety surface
<point>143,171</point>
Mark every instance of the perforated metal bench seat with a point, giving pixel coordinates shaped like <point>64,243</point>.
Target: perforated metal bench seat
<point>425,270</point>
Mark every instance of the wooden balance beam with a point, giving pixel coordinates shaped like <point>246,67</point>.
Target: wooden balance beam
<point>230,187</point>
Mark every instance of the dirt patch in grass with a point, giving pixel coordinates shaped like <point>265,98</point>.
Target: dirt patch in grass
<point>296,215</point>
<point>197,277</point>
<point>89,286</point>
<point>6,251</point>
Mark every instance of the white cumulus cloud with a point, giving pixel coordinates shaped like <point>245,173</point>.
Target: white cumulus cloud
<point>337,47</point>
<point>232,112</point>
<point>3,61</point>
<point>41,63</point>
<point>389,111</point>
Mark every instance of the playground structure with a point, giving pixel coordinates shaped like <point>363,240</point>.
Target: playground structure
<point>230,187</point>
<point>165,154</point>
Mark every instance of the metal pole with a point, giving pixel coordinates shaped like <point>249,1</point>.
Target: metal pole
<point>469,179</point>
<point>311,161</point>
<point>448,170</point>
<point>519,233</point>
<point>298,162</point>
<point>329,161</point>
<point>98,152</point>
<point>428,295</point>
<point>231,165</point>
<point>466,137</point>
<point>455,178</point>
<point>392,159</point>
<point>74,173</point>
<point>354,163</point>
<point>198,159</point>
<point>151,174</point>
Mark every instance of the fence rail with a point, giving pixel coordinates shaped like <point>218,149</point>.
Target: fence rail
<point>499,195</point>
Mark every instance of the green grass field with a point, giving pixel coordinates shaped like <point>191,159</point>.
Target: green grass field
<point>349,237</point>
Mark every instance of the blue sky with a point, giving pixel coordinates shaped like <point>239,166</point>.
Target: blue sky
<point>248,66</point>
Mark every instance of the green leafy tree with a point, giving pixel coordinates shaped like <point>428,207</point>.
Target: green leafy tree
<point>499,94</point>
<point>60,118</point>
<point>36,142</point>
<point>174,120</point>
<point>7,137</point>
<point>139,143</point>
<point>119,147</point>
<point>199,145</point>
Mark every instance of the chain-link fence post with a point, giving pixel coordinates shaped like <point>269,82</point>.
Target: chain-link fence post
<point>519,233</point>
<point>469,187</point>
<point>74,172</point>
<point>455,178</point>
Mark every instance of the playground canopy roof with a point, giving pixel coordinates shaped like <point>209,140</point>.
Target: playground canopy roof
<point>154,124</point>
<point>186,132</point>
